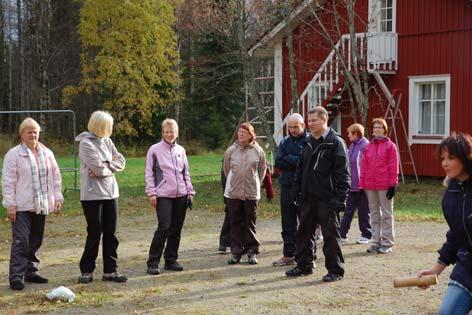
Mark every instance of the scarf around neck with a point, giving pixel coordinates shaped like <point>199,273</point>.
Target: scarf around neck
<point>39,174</point>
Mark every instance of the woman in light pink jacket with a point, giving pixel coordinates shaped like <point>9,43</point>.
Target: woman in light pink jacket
<point>379,178</point>
<point>31,188</point>
<point>170,192</point>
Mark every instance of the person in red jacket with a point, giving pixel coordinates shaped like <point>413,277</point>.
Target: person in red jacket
<point>379,178</point>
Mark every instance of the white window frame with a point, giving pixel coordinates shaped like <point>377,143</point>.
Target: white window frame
<point>414,137</point>
<point>375,22</point>
<point>313,93</point>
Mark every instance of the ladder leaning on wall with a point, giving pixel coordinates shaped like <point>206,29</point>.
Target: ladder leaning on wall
<point>392,114</point>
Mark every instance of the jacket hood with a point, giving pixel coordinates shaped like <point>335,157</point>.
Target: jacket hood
<point>85,135</point>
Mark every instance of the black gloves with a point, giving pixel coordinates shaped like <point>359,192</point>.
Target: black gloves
<point>390,192</point>
<point>189,204</point>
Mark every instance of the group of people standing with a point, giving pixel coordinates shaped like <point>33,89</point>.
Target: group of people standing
<point>31,188</point>
<point>320,178</point>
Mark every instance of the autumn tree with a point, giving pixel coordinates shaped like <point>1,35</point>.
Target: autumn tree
<point>235,25</point>
<point>128,61</point>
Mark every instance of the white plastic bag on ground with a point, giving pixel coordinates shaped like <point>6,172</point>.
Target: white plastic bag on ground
<point>63,293</point>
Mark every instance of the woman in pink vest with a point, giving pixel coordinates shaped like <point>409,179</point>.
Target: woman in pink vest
<point>379,178</point>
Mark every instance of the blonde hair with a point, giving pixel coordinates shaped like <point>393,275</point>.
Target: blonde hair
<point>357,129</point>
<point>169,122</point>
<point>27,123</point>
<point>101,124</point>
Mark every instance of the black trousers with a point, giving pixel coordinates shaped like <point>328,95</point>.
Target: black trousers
<point>27,232</point>
<point>225,234</point>
<point>289,216</point>
<point>243,216</point>
<point>170,217</point>
<point>315,212</point>
<point>102,218</point>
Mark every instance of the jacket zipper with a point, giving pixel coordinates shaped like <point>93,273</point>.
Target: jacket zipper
<point>175,172</point>
<point>463,215</point>
<point>331,182</point>
<point>317,159</point>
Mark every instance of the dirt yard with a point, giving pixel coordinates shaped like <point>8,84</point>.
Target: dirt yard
<point>208,285</point>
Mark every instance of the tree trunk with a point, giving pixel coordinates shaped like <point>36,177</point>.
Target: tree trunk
<point>251,83</point>
<point>21,81</point>
<point>43,48</point>
<point>10,69</point>
<point>293,73</point>
<point>3,65</point>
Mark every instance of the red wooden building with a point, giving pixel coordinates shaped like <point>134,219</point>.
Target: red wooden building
<point>420,50</point>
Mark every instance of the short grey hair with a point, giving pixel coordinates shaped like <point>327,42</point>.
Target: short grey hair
<point>297,117</point>
<point>320,111</point>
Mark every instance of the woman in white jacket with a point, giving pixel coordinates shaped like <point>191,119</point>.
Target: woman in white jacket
<point>31,188</point>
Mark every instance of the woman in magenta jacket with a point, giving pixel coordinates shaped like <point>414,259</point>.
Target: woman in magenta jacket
<point>379,178</point>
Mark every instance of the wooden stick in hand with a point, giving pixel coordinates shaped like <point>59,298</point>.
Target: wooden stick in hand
<point>424,281</point>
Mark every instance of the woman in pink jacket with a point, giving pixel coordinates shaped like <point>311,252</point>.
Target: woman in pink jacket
<point>31,188</point>
<point>170,192</point>
<point>379,178</point>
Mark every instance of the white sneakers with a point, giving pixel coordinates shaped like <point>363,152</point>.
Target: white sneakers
<point>363,240</point>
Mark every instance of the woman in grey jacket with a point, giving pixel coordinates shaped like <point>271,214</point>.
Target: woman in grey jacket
<point>99,160</point>
<point>244,166</point>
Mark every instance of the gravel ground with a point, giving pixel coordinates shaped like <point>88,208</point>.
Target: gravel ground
<point>209,286</point>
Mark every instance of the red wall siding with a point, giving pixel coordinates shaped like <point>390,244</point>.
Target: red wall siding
<point>435,37</point>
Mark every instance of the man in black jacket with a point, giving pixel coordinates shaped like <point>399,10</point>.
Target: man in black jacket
<point>322,181</point>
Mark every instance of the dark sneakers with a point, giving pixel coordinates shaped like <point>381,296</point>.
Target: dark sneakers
<point>174,266</point>
<point>36,279</point>
<point>86,277</point>
<point>153,271</point>
<point>297,272</point>
<point>114,277</point>
<point>17,285</point>
<point>222,249</point>
<point>331,277</point>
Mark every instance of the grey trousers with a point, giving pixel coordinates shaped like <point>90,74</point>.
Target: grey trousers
<point>28,232</point>
<point>381,218</point>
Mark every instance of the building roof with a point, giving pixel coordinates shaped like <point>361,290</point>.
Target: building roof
<point>262,47</point>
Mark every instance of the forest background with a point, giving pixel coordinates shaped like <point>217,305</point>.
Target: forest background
<point>140,60</point>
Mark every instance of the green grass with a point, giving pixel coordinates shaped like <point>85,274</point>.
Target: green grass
<point>412,202</point>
